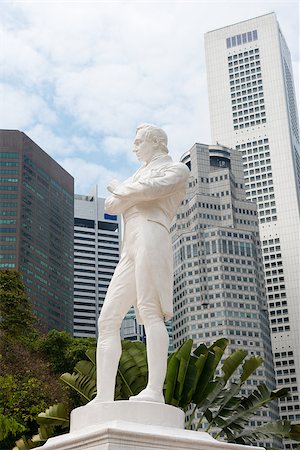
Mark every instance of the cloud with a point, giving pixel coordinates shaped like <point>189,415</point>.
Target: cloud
<point>21,109</point>
<point>80,76</point>
<point>50,141</point>
<point>87,175</point>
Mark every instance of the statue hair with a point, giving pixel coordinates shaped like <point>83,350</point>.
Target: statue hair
<point>156,135</point>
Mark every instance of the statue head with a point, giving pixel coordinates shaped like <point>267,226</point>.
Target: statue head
<point>149,141</point>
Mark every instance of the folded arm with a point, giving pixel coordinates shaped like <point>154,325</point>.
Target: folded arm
<point>158,185</point>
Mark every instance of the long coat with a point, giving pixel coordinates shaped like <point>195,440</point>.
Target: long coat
<point>154,193</point>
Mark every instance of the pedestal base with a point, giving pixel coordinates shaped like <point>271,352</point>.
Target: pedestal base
<point>93,428</point>
<point>145,413</point>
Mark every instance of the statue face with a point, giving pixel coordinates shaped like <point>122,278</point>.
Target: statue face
<point>143,149</point>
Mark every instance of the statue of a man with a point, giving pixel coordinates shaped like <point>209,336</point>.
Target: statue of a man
<point>144,276</point>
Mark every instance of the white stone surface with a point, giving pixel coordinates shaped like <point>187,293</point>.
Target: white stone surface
<point>148,201</point>
<point>133,426</point>
<point>119,435</point>
<point>146,413</point>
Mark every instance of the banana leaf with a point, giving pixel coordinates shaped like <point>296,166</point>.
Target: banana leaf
<point>193,374</point>
<point>83,384</point>
<point>91,354</point>
<point>281,428</point>
<point>86,368</point>
<point>133,369</point>
<point>228,400</point>
<point>57,415</point>
<point>248,406</point>
<point>176,373</point>
<point>213,358</point>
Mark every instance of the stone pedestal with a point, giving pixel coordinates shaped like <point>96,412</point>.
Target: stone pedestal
<point>133,426</point>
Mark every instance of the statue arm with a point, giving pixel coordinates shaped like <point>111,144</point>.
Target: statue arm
<point>158,185</point>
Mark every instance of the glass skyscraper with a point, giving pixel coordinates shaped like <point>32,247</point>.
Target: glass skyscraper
<point>36,227</point>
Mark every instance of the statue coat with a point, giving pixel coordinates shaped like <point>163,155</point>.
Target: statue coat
<point>149,200</point>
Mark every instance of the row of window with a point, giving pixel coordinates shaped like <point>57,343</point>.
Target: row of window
<point>9,155</point>
<point>240,39</point>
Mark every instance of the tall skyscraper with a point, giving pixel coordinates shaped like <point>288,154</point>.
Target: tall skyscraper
<point>36,227</point>
<point>96,254</point>
<point>253,109</point>
<point>219,281</point>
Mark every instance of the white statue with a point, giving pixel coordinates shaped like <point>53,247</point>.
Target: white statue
<point>144,276</point>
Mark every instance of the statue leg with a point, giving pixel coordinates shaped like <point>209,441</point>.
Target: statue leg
<point>157,339</point>
<point>119,298</point>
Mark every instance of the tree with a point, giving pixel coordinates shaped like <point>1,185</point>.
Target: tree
<point>62,350</point>
<point>27,382</point>
<point>17,319</point>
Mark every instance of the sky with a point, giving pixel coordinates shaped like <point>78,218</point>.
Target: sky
<point>78,77</point>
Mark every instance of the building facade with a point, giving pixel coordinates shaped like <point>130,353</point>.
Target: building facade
<point>253,109</point>
<point>97,238</point>
<point>219,281</point>
<point>36,227</point>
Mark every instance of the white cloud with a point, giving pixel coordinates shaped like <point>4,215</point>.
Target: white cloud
<point>105,67</point>
<point>88,174</point>
<point>20,109</point>
<point>49,141</point>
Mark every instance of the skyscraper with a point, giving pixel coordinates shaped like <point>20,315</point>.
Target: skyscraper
<point>96,254</point>
<point>36,227</point>
<point>219,283</point>
<point>253,109</point>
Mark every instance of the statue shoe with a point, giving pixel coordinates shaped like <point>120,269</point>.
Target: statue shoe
<point>148,395</point>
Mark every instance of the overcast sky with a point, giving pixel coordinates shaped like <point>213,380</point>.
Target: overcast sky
<point>78,77</point>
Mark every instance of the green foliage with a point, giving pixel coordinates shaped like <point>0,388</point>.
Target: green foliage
<point>132,371</point>
<point>9,426</point>
<point>17,319</point>
<point>281,428</point>
<point>63,351</point>
<point>192,383</point>
<point>55,415</point>
<point>54,421</point>
<point>131,376</point>
<point>27,384</point>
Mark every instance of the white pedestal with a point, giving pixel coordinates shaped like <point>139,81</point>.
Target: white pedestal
<point>133,426</point>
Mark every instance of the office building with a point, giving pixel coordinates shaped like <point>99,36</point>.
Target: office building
<point>130,329</point>
<point>36,227</point>
<point>96,254</point>
<point>253,109</point>
<point>219,280</point>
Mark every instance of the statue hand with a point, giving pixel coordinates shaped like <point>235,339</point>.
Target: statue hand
<point>112,185</point>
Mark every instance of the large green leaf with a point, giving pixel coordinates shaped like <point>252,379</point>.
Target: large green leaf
<point>57,415</point>
<point>86,368</point>
<point>24,444</point>
<point>248,406</point>
<point>215,387</point>
<point>282,428</point>
<point>220,343</point>
<point>213,358</point>
<point>228,400</point>
<point>232,363</point>
<point>176,373</point>
<point>133,369</point>
<point>250,366</point>
<point>83,384</point>
<point>192,377</point>
<point>91,354</point>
